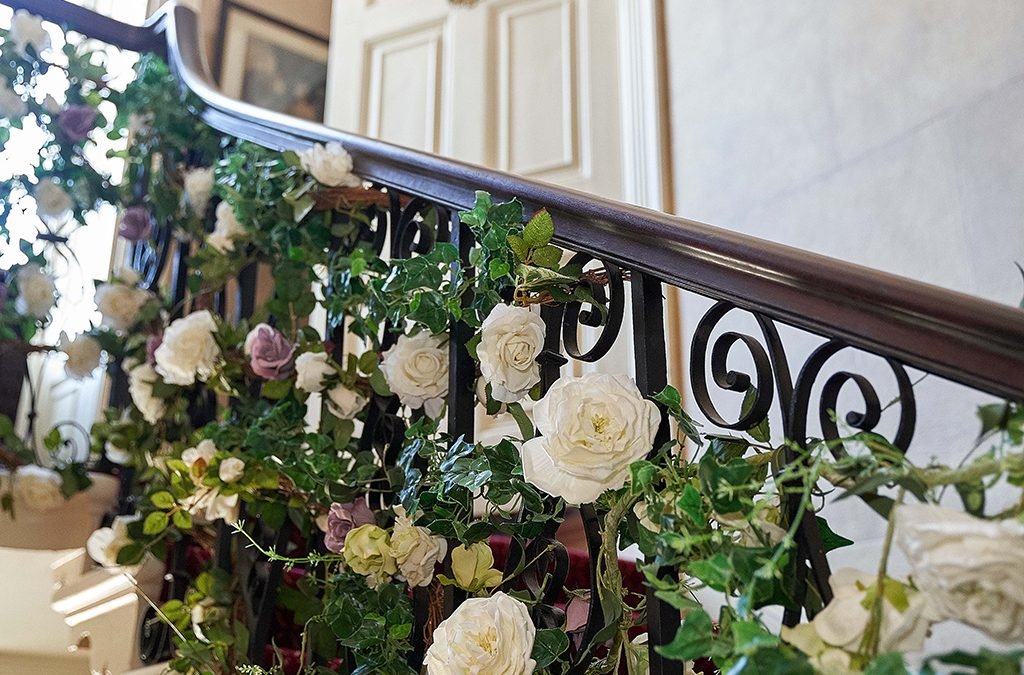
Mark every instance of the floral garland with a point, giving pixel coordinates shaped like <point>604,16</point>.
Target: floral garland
<point>219,427</point>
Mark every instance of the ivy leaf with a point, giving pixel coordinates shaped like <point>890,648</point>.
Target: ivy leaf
<point>155,523</point>
<point>549,256</point>
<point>693,640</point>
<point>690,504</point>
<point>890,663</point>
<point>829,539</point>
<point>749,636</point>
<point>549,644</point>
<point>518,246</point>
<point>539,230</point>
<point>762,430</point>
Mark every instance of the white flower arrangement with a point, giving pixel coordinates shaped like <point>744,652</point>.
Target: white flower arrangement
<point>484,635</point>
<point>330,165</point>
<point>511,338</point>
<point>189,350</point>
<point>416,369</point>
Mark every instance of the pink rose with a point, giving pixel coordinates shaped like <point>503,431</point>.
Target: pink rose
<point>136,224</point>
<point>270,352</point>
<point>77,121</point>
<point>342,519</point>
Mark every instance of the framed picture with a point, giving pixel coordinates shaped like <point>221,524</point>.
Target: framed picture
<point>271,64</point>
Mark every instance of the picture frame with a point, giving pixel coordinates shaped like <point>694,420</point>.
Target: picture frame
<point>271,64</point>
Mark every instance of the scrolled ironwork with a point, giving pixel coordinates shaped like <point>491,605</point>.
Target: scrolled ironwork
<point>610,321</point>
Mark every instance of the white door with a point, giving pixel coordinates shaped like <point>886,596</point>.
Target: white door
<point>563,91</point>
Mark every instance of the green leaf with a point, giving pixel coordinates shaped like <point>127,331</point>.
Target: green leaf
<point>182,520</point>
<point>972,494</point>
<point>690,503</point>
<point>497,269</point>
<point>716,571</point>
<point>749,636</point>
<point>523,420</point>
<point>539,230</point>
<point>693,639</point>
<point>379,383</point>
<point>518,246</point>
<point>890,663</point>
<point>642,474</point>
<point>155,523</point>
<point>549,256</point>
<point>162,500</point>
<point>275,390</point>
<point>761,431</point>
<point>829,539</point>
<point>131,554</point>
<point>548,645</point>
<point>367,362</point>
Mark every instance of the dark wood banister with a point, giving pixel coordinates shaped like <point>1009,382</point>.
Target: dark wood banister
<point>964,338</point>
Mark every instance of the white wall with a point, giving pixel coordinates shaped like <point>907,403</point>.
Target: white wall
<point>886,133</point>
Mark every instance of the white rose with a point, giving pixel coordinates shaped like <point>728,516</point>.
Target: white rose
<point>117,455</point>
<point>12,105</point>
<point>970,569</point>
<point>204,451</point>
<point>416,369</point>
<point>140,386</point>
<point>120,305</point>
<point>511,338</point>
<point>416,549</point>
<point>189,349</point>
<point>37,488</point>
<point>231,469</point>
<point>311,369</point>
<point>226,229</point>
<point>484,635</point>
<point>210,505</point>
<point>27,30</point>
<point>344,402</point>
<point>330,164</point>
<point>83,354</point>
<point>841,624</point>
<point>53,203</point>
<point>594,427</point>
<point>198,186</point>
<point>105,543</point>
<point>36,291</point>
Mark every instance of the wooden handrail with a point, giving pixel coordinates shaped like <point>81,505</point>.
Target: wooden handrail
<point>964,338</point>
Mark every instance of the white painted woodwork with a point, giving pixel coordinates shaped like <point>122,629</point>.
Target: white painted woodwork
<point>564,91</point>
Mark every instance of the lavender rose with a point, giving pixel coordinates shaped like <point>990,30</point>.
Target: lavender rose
<point>77,121</point>
<point>270,352</point>
<point>342,519</point>
<point>136,224</point>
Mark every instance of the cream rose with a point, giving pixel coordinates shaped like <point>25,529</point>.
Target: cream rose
<point>37,488</point>
<point>198,187</point>
<point>210,505</point>
<point>368,552</point>
<point>120,304</point>
<point>311,369</point>
<point>970,569</point>
<point>53,203</point>
<point>231,470</point>
<point>140,386</point>
<point>12,105</point>
<point>473,567</point>
<point>330,164</point>
<point>200,457</point>
<point>83,354</point>
<point>484,635</point>
<point>105,543</point>
<point>344,402</point>
<point>415,549</point>
<point>36,291</point>
<point>226,230</point>
<point>416,369</point>
<point>189,349</point>
<point>594,427</point>
<point>511,338</point>
<point>27,31</point>
<point>841,624</point>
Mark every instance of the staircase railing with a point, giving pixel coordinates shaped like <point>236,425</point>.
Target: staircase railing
<point>909,324</point>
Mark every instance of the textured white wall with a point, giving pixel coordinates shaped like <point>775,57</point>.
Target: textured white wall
<point>886,133</point>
